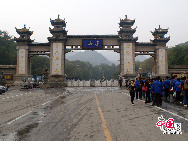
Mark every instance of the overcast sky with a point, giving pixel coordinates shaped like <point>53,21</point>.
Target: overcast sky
<point>97,17</point>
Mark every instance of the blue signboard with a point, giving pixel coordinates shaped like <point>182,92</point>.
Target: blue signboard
<point>92,44</point>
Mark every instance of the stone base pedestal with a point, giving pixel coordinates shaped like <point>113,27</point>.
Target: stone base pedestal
<point>18,79</point>
<point>57,81</point>
<point>161,75</point>
<point>127,76</point>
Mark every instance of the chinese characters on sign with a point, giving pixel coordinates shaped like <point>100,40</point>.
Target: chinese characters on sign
<point>168,126</point>
<point>8,76</point>
<point>162,61</point>
<point>128,63</point>
<point>22,61</point>
<point>92,44</point>
<point>57,56</point>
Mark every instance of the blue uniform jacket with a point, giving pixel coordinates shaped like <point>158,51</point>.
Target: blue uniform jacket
<point>137,84</point>
<point>166,83</point>
<point>177,85</point>
<point>173,83</point>
<point>156,87</point>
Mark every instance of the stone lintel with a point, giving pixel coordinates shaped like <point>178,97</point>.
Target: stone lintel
<point>22,47</point>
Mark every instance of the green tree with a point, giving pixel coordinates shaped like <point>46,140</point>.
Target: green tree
<point>7,49</point>
<point>38,64</point>
<point>147,65</point>
<point>178,55</point>
<point>137,65</point>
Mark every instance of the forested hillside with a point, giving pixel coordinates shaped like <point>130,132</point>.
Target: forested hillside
<point>7,49</point>
<point>76,69</point>
<point>177,55</point>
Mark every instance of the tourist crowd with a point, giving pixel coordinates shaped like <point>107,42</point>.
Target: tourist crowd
<point>154,90</point>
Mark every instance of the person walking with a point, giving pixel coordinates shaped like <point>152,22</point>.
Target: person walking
<point>147,89</point>
<point>185,88</point>
<point>132,88</point>
<point>137,83</point>
<point>156,91</point>
<point>120,81</point>
<point>141,92</point>
<point>178,89</point>
<point>151,95</point>
<point>174,80</point>
<point>166,85</point>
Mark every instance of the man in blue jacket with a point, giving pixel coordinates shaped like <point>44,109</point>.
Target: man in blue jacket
<point>137,83</point>
<point>156,91</point>
<point>173,83</point>
<point>166,85</point>
<point>178,89</point>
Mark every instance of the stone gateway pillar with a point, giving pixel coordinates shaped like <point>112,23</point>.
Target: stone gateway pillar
<point>162,61</point>
<point>57,52</point>
<point>161,51</point>
<point>57,58</point>
<point>23,62</point>
<point>127,59</point>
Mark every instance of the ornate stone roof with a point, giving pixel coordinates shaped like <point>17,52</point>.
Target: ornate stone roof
<point>58,31</point>
<point>25,34</point>
<point>126,32</point>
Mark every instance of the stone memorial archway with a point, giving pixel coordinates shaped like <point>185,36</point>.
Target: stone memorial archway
<point>61,43</point>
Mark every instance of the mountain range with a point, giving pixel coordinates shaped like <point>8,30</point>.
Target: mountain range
<point>99,57</point>
<point>93,57</point>
<point>186,43</point>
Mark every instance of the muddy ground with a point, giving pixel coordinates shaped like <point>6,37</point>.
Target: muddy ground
<point>69,114</point>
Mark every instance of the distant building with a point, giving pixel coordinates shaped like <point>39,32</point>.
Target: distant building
<point>8,72</point>
<point>178,70</point>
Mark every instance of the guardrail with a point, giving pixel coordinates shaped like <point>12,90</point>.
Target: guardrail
<point>92,83</point>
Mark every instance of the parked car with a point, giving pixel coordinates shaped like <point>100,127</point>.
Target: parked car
<point>3,89</point>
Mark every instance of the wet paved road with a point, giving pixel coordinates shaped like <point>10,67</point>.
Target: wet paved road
<point>85,114</point>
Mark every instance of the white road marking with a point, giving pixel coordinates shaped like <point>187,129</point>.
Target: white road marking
<point>12,96</point>
<point>3,98</point>
<point>19,117</point>
<point>20,94</point>
<point>45,103</point>
<point>172,113</point>
<point>16,95</point>
<point>169,112</point>
<point>7,97</point>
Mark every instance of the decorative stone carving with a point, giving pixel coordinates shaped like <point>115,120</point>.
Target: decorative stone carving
<point>128,58</point>
<point>57,56</point>
<point>162,61</point>
<point>21,61</point>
